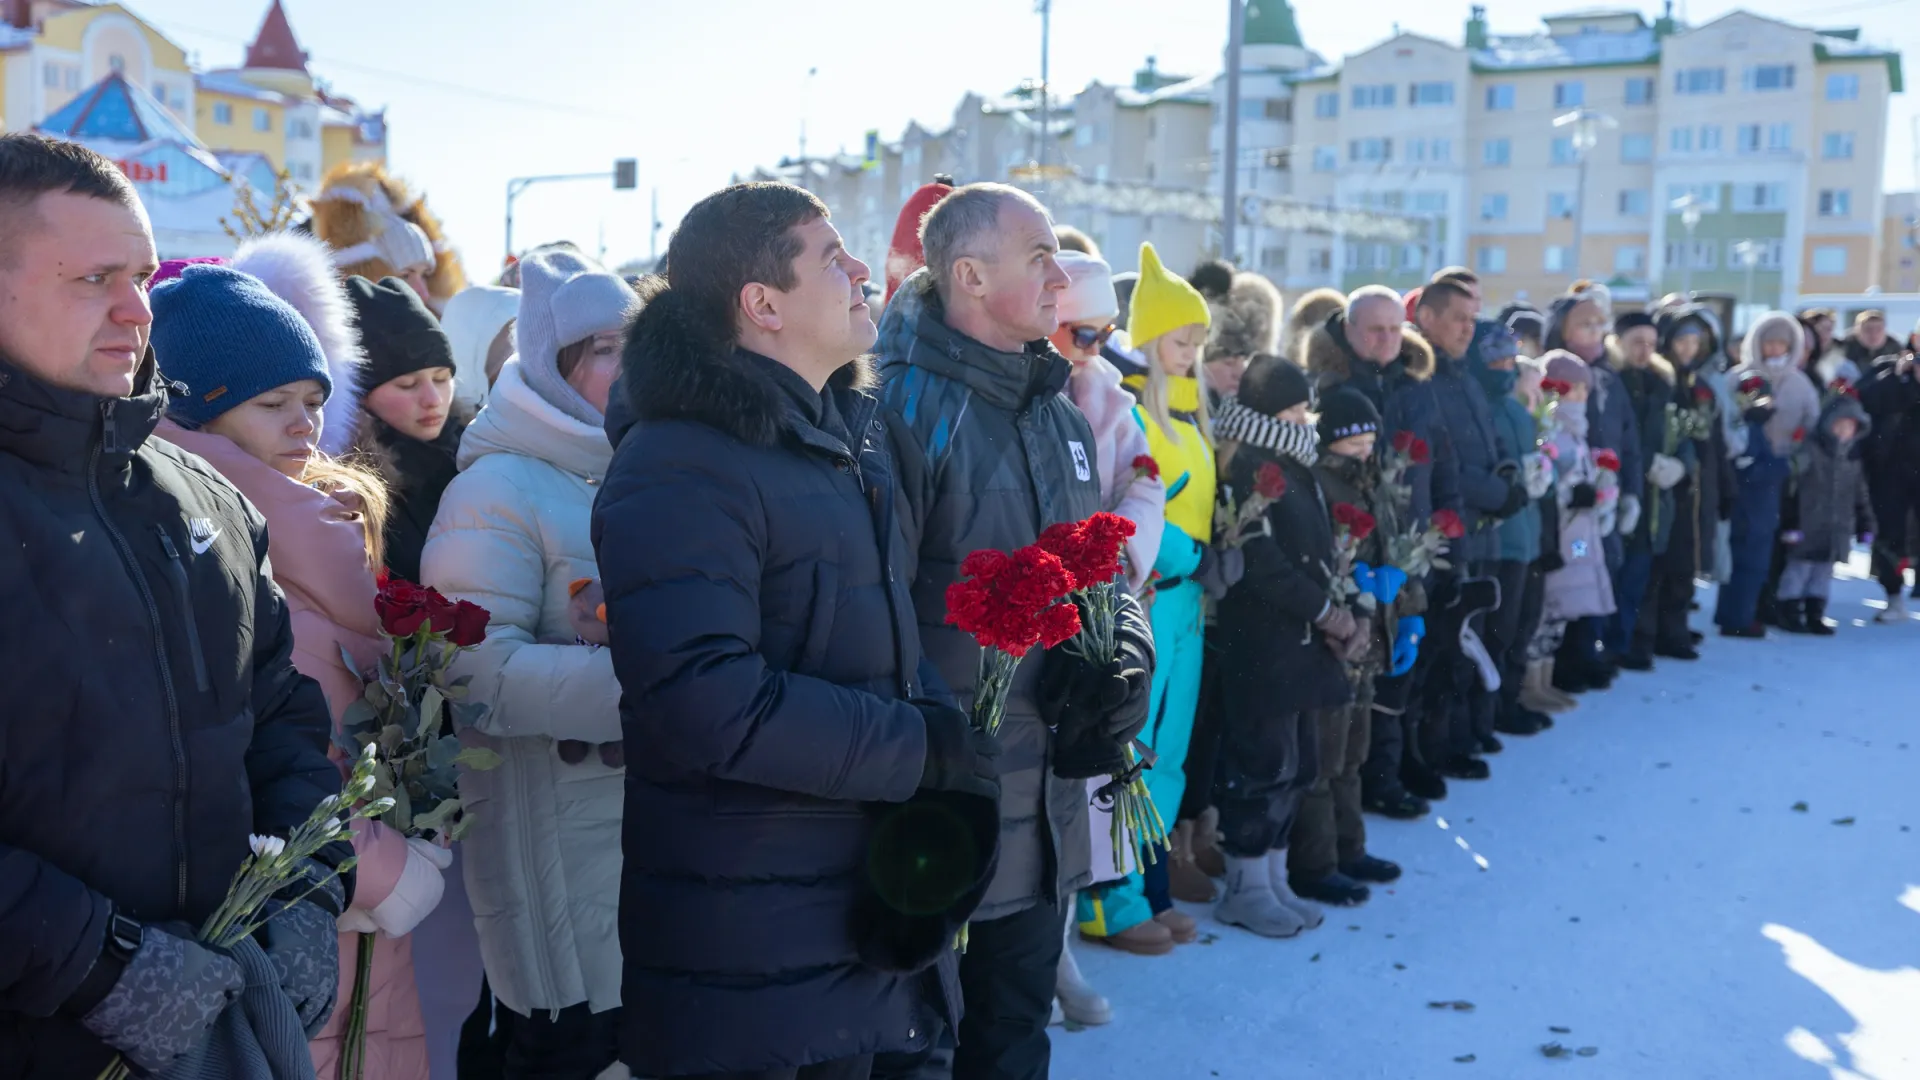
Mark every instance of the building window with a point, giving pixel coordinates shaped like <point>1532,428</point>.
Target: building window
<point>72,79</point>
<point>1273,260</point>
<point>1326,106</point>
<point>50,75</point>
<point>1568,95</point>
<point>1747,138</point>
<point>1500,97</point>
<point>1562,153</point>
<point>1320,261</point>
<point>1559,204</point>
<point>1440,151</point>
<point>1415,150</point>
<point>1491,259</point>
<point>1493,208</point>
<point>1351,256</point>
<point>1680,140</point>
<point>262,120</point>
<point>1640,91</point>
<point>1635,149</point>
<point>1701,256</point>
<point>1756,198</point>
<point>1377,96</point>
<point>302,129</point>
<point>1779,137</point>
<point>1701,80</point>
<point>1635,202</point>
<point>1763,77</point>
<point>1556,259</point>
<point>1429,202</point>
<point>1837,145</point>
<point>1412,258</point>
<point>1325,159</point>
<point>1836,203</point>
<point>1843,88</point>
<point>1429,94</point>
<point>1280,109</point>
<point>1629,260</point>
<point>1372,148</point>
<point>1769,254</point>
<point>1709,138</point>
<point>1705,196</point>
<point>1496,152</point>
<point>222,113</point>
<point>1829,260</point>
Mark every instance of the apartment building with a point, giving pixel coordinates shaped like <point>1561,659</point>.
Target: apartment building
<point>1900,244</point>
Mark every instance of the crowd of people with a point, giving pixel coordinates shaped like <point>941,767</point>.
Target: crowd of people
<point>740,820</point>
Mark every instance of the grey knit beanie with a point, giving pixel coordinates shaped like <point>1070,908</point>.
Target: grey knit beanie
<point>565,298</point>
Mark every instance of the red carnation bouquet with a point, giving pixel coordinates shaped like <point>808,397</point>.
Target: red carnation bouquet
<point>1752,390</point>
<point>1351,526</point>
<point>1009,604</point>
<point>1235,525</point>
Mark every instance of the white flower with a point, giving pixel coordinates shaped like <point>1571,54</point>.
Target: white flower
<point>267,847</point>
<point>334,825</point>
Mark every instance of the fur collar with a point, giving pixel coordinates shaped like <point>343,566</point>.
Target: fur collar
<point>297,269</point>
<point>676,368</point>
<point>1331,360</point>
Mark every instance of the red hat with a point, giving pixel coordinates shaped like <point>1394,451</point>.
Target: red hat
<point>905,255</point>
<point>1412,300</point>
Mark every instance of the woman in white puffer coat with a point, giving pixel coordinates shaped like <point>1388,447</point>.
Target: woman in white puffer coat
<point>512,534</point>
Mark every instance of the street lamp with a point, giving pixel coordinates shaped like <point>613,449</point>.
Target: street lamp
<point>625,177</point>
<point>1747,254</point>
<point>1585,126</point>
<point>1689,207</point>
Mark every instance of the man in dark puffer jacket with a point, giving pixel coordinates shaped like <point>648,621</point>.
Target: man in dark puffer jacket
<point>991,452</point>
<point>786,758</point>
<point>155,718</point>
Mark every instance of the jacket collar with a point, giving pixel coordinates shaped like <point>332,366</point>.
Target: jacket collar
<point>517,420</point>
<point>1008,380</point>
<point>59,429</point>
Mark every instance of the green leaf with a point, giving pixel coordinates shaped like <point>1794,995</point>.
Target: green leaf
<point>430,703</point>
<point>437,818</point>
<point>360,717</point>
<point>347,659</point>
<point>478,759</point>
<point>391,737</point>
<point>460,828</point>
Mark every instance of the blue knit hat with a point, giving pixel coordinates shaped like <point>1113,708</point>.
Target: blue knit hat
<point>229,339</point>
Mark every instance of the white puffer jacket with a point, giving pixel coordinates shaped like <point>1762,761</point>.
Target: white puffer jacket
<point>543,856</point>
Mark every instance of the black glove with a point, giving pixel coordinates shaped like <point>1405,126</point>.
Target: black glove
<point>1552,561</point>
<point>960,757</point>
<point>1133,638</point>
<point>1583,497</point>
<point>1758,414</point>
<point>171,992</point>
<point>1516,501</point>
<point>304,945</point>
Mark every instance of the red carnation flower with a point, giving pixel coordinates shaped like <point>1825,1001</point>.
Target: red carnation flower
<point>1607,460</point>
<point>1799,434</point>
<point>1419,453</point>
<point>1403,442</point>
<point>1357,521</point>
<point>1556,386</point>
<point>1449,524</point>
<point>1752,384</point>
<point>1058,623</point>
<point>1089,549</point>
<point>1145,466</point>
<point>1702,394</point>
<point>1270,482</point>
<point>1003,604</point>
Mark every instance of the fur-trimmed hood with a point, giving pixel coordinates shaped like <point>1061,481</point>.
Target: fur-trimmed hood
<point>299,269</point>
<point>354,202</point>
<point>1247,321</point>
<point>1330,359</point>
<point>675,368</point>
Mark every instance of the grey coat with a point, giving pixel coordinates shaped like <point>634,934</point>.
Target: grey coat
<point>990,452</point>
<point>1832,487</point>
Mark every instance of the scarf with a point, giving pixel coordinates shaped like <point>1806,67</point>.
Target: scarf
<point>1240,424</point>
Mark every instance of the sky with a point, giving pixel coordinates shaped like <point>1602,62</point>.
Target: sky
<point>480,91</point>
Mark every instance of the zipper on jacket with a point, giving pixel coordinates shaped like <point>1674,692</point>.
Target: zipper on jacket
<point>178,567</point>
<point>111,441</point>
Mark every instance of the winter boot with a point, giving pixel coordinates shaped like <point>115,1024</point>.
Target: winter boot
<point>1637,658</point>
<point>1490,745</point>
<point>1334,890</point>
<point>1250,901</point>
<point>1184,879</point>
<point>1206,844</point>
<point>1073,998</point>
<point>1401,805</point>
<point>1896,612</point>
<point>1422,781</point>
<point>1537,691</point>
<point>1792,616</point>
<point>1817,622</point>
<point>1567,679</point>
<point>1181,925</point>
<point>1147,939</point>
<point>1310,914</point>
<point>1368,868</point>
<point>1517,719</point>
<point>1465,767</point>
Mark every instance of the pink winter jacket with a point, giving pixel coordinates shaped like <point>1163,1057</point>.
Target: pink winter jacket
<point>317,548</point>
<point>1117,439</point>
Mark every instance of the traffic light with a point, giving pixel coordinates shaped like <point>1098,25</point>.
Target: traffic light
<point>626,174</point>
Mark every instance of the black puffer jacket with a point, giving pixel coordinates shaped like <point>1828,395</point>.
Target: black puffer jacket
<point>1892,398</point>
<point>153,718</point>
<point>1467,437</point>
<point>1403,392</point>
<point>1705,497</point>
<point>991,452</point>
<point>417,474</point>
<point>1649,391</point>
<point>765,644</point>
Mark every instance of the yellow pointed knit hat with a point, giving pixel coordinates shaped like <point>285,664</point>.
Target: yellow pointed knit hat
<point>1162,301</point>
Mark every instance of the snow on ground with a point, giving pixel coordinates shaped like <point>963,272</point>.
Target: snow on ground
<point>1650,884</point>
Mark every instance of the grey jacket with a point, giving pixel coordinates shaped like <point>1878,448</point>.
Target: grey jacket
<point>989,452</point>
<point>1831,487</point>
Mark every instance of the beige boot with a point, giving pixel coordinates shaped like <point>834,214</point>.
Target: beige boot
<point>1184,879</point>
<point>1206,844</point>
<point>1567,701</point>
<point>1537,691</point>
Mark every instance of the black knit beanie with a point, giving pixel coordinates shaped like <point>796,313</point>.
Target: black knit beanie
<point>1345,413</point>
<point>1273,384</point>
<point>398,333</point>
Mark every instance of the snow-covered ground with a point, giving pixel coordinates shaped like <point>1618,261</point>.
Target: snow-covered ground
<point>1712,870</point>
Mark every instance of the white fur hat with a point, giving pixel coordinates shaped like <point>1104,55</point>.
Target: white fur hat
<point>1089,298</point>
<point>299,269</point>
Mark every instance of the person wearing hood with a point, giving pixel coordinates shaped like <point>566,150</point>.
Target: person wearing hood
<point>1170,323</point>
<point>512,535</point>
<point>1833,511</point>
<point>479,327</point>
<point>1577,586</point>
<point>258,414</point>
<point>1781,406</point>
<point>410,424</point>
<point>1688,342</point>
<point>1648,381</point>
<point>1368,347</point>
<point>1087,309</point>
<point>1890,392</point>
<point>1245,323</point>
<point>1528,326</point>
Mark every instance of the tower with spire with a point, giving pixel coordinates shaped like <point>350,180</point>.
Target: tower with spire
<point>275,60</point>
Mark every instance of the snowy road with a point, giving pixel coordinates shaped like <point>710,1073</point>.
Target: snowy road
<point>1712,870</point>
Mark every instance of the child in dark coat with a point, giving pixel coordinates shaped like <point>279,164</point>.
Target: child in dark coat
<point>1282,643</point>
<point>1833,509</point>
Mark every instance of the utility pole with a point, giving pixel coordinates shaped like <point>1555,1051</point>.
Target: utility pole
<point>1585,125</point>
<point>1230,152</point>
<point>806,101</point>
<point>1046,108</point>
<point>653,230</point>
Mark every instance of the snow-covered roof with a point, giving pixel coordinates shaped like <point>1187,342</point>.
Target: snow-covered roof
<point>1198,90</point>
<point>1515,52</point>
<point>13,37</point>
<point>228,81</point>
